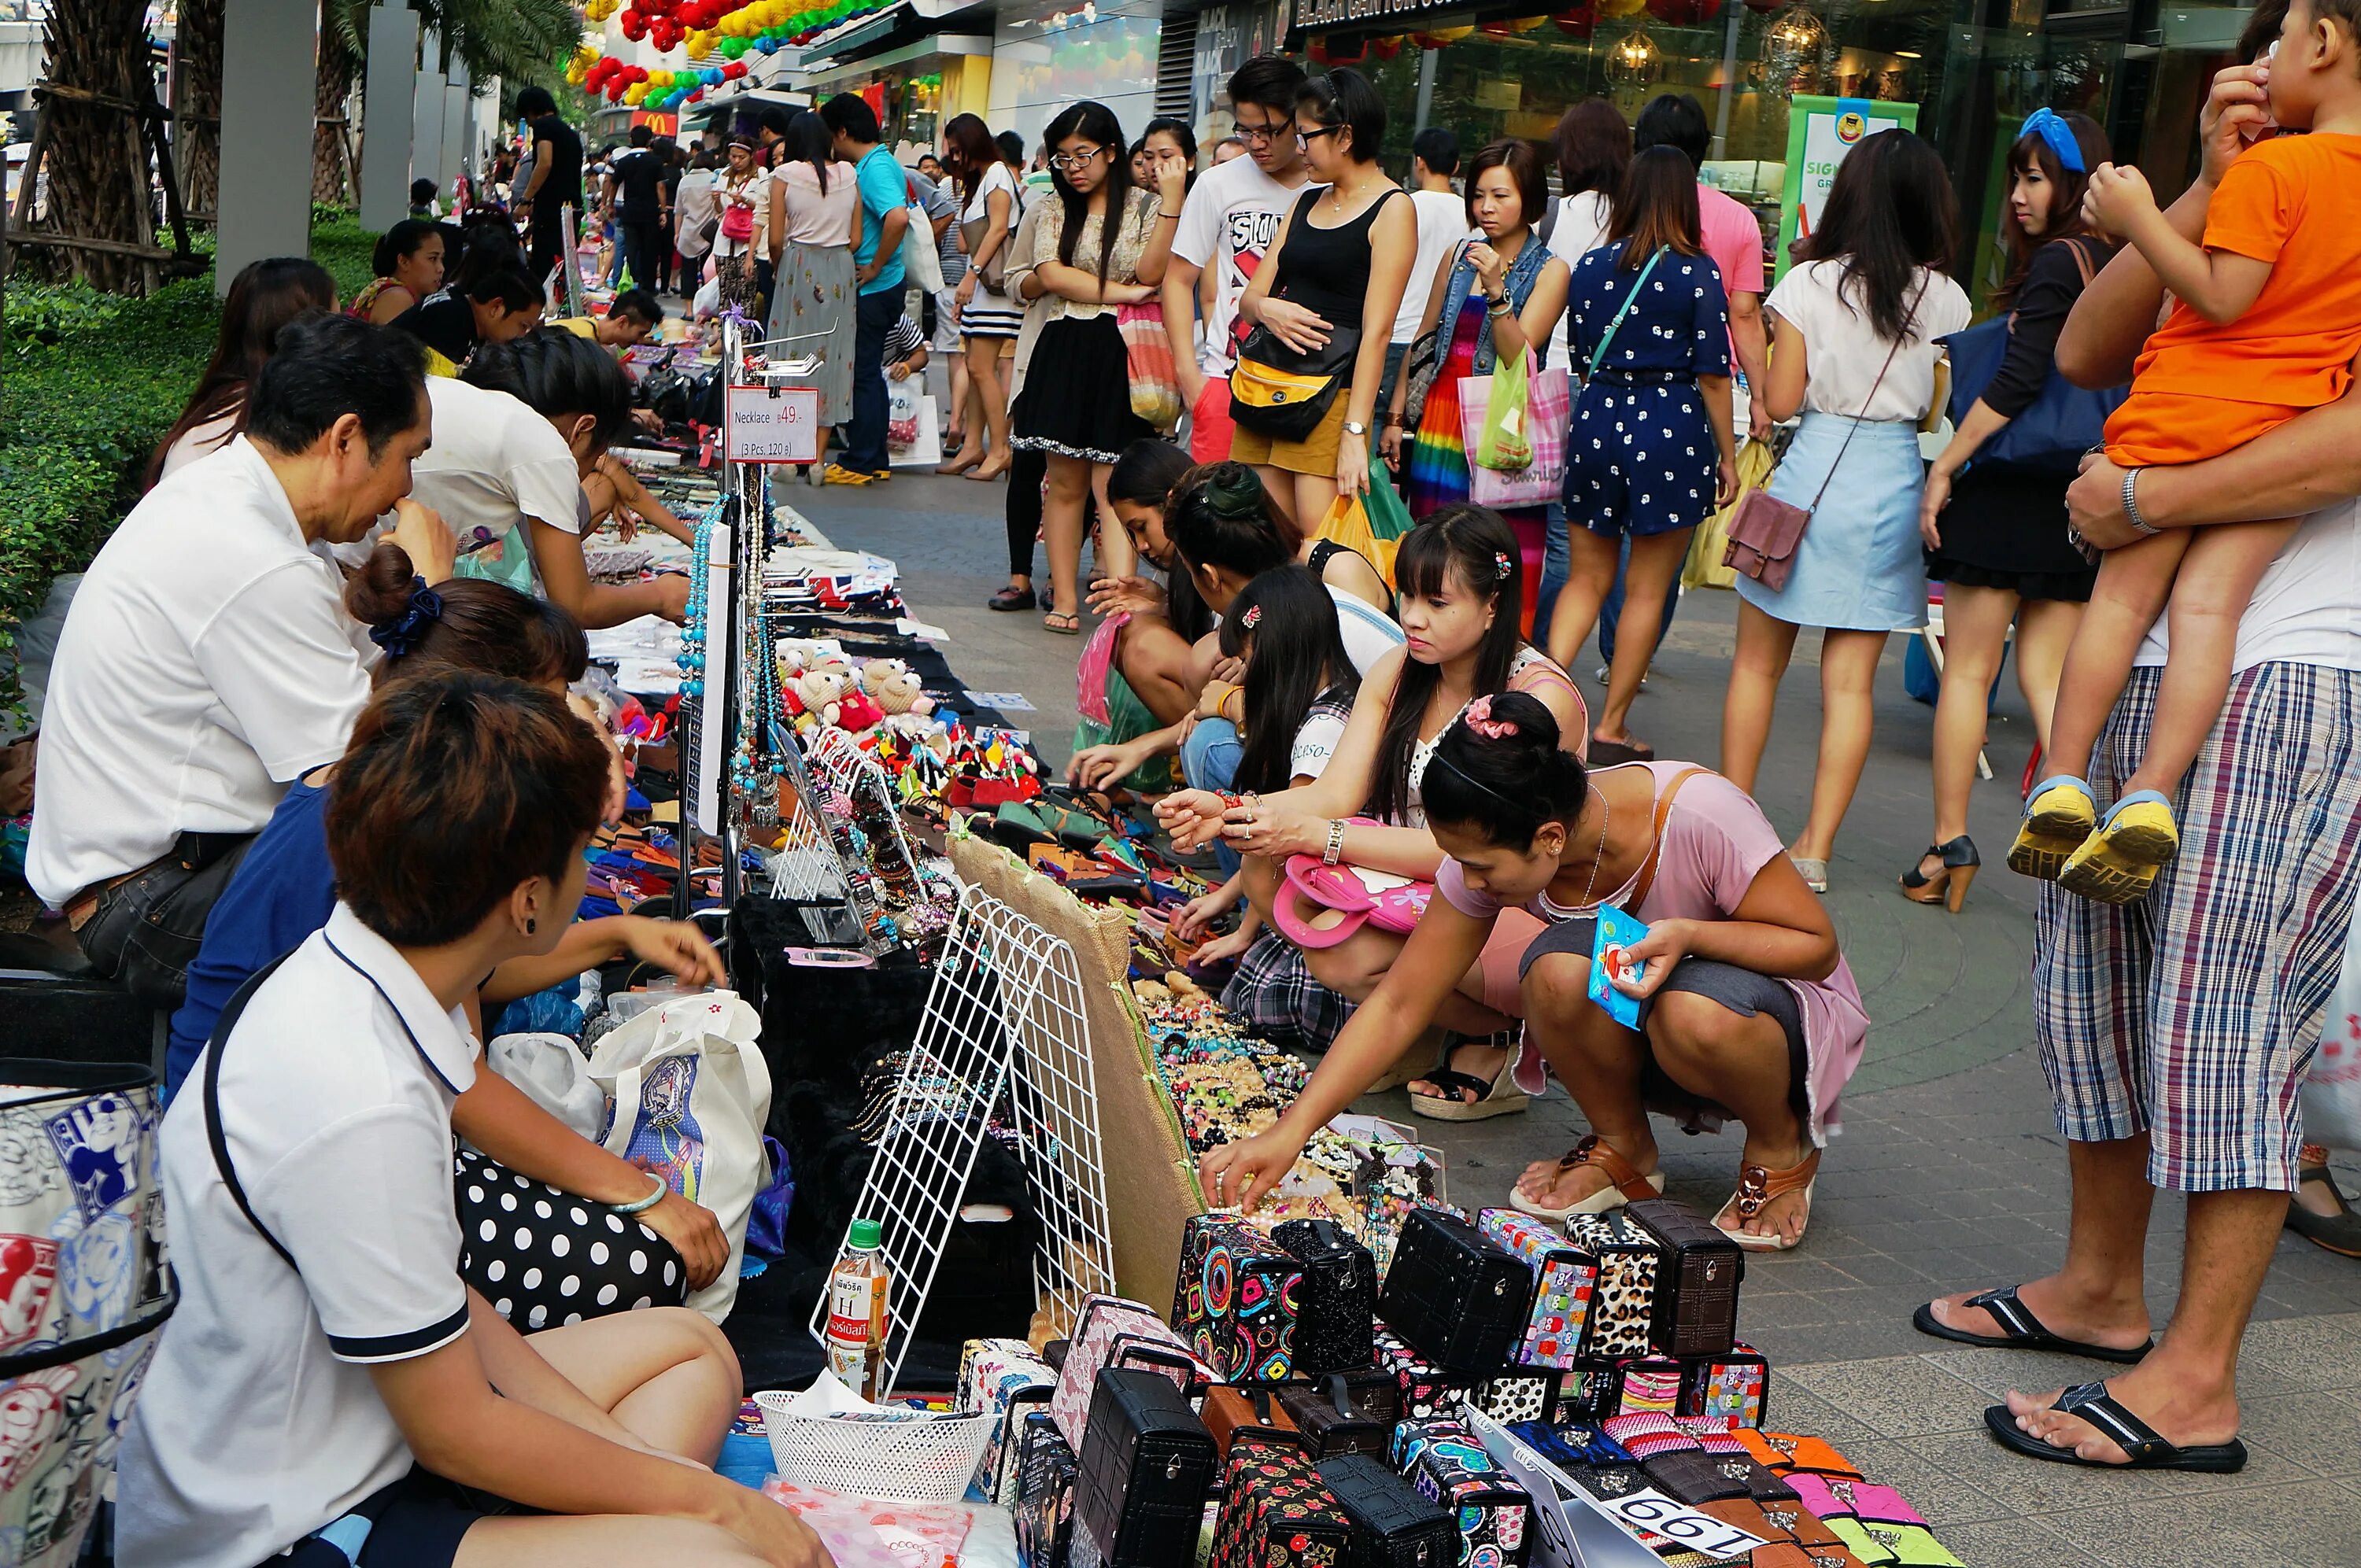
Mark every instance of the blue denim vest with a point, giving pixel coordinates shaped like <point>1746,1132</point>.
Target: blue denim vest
<point>1519,285</point>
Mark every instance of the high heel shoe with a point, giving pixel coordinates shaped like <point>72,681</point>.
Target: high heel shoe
<point>1948,886</point>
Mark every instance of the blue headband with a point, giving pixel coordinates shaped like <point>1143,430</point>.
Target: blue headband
<point>2052,128</point>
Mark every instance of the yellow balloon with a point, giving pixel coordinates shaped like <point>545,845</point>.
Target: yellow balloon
<point>1620,8</point>
<point>634,92</point>
<point>1453,35</point>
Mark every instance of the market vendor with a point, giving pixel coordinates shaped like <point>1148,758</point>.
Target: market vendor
<point>1747,1010</point>
<point>208,661</point>
<point>519,435</point>
<point>497,305</point>
<point>329,1384</point>
<point>631,321</point>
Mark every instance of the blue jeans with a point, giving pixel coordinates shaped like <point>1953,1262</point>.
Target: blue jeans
<point>1209,760</point>
<point>1557,564</point>
<point>1610,613</point>
<point>865,442</point>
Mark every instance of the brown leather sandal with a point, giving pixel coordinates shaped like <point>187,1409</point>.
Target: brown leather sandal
<point>1756,1188</point>
<point>1627,1183</point>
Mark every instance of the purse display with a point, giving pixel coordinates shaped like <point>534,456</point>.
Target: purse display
<point>1732,1388</point>
<point>1453,1295</point>
<point>1563,1280</point>
<point>1230,1416</point>
<point>1335,1314</point>
<point>1444,1462</point>
<point>1393,1526</point>
<point>1273,1306</point>
<point>1110,1331</point>
<point>1004,1377</point>
<point>1348,1414</point>
<point>1425,1389</point>
<point>1276,1513</point>
<point>1044,1508</point>
<point>1623,1303</point>
<point>1283,393</point>
<point>1696,1289</point>
<point>1147,1465</point>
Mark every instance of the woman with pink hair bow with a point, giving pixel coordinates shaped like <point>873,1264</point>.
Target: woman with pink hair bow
<point>1733,1004</point>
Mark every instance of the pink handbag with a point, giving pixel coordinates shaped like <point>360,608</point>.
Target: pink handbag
<point>1362,897</point>
<point>1549,413</point>
<point>1113,1332</point>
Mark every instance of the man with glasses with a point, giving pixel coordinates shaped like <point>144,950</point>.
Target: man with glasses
<point>1229,222</point>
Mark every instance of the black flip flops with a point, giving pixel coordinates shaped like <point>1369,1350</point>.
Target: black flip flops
<point>2020,1331</point>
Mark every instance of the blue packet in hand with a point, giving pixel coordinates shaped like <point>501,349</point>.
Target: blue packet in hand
<point>1615,933</point>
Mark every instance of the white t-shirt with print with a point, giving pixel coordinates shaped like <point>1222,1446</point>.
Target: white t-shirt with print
<point>1230,222</point>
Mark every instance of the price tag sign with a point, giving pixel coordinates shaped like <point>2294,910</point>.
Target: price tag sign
<point>1653,1514</point>
<point>771,425</point>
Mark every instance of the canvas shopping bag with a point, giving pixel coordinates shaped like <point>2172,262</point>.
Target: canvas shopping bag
<point>690,1092</point>
<point>1705,567</point>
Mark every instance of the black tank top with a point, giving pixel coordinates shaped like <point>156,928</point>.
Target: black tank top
<point>1327,271</point>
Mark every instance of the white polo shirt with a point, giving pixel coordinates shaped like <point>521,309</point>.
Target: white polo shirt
<point>2306,607</point>
<point>207,662</point>
<point>495,462</point>
<point>258,1422</point>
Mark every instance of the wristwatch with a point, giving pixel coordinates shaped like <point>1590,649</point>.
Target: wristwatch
<point>1354,427</point>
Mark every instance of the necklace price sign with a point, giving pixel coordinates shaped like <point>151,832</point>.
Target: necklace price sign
<point>771,424</point>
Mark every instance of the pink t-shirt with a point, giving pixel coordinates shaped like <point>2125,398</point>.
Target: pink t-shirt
<point>1727,229</point>
<point>1716,840</point>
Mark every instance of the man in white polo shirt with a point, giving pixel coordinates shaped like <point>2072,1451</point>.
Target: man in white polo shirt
<point>207,661</point>
<point>329,1384</point>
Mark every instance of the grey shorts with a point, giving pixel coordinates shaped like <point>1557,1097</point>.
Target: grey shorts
<point>1743,992</point>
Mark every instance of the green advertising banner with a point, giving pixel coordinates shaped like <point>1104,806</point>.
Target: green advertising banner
<point>1820,131</point>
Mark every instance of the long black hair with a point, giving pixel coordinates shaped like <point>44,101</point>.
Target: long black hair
<point>1505,784</point>
<point>808,139</point>
<point>1093,122</point>
<point>1890,211</point>
<point>1219,515</point>
<point>1144,475</point>
<point>265,298</point>
<point>1475,545</point>
<point>1298,658</point>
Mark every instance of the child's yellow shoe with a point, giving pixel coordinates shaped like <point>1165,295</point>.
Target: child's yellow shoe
<point>2059,815</point>
<point>2118,862</point>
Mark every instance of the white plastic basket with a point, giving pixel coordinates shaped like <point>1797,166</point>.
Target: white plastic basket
<point>923,1457</point>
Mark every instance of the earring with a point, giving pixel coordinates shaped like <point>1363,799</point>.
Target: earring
<point>531,927</point>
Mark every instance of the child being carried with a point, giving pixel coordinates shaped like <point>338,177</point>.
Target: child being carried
<point>2266,324</point>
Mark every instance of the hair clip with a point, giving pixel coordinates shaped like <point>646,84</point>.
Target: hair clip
<point>1501,563</point>
<point>1252,618</point>
<point>1478,718</point>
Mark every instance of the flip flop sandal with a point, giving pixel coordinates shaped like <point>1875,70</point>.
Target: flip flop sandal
<point>1499,1096</point>
<point>1064,623</point>
<point>1756,1186</point>
<point>1625,1183</point>
<point>2139,1441</point>
<point>1613,753</point>
<point>2020,1329</point>
<point>2340,1232</point>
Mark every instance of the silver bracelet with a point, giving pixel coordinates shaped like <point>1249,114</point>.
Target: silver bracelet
<point>663,1190</point>
<point>2131,504</point>
<point>1335,850</point>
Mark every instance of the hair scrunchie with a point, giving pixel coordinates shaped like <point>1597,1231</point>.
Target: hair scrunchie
<point>401,633</point>
<point>1479,720</point>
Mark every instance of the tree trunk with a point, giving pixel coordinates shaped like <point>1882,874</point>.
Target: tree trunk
<point>330,169</point>
<point>197,112</point>
<point>99,46</point>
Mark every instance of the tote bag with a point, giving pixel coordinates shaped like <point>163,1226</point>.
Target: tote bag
<point>1549,412</point>
<point>690,1092</point>
<point>2063,421</point>
<point>1147,353</point>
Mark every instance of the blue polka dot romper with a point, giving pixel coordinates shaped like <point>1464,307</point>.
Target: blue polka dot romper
<point>1641,459</point>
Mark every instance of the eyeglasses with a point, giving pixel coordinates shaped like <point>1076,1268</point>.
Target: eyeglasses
<point>1304,139</point>
<point>1256,133</point>
<point>1065,163</point>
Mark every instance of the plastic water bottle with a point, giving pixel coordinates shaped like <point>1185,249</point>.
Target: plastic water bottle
<point>856,1312</point>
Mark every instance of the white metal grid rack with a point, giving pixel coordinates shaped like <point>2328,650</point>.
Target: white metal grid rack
<point>1003,1017</point>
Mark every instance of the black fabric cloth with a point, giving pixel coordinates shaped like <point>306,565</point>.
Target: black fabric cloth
<point>1027,469</point>
<point>2052,284</point>
<point>444,321</point>
<point>562,183</point>
<point>639,186</point>
<point>1327,269</point>
<point>1079,405</point>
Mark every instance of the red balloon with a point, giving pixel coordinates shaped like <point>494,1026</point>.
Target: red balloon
<point>1685,13</point>
<point>1579,22</point>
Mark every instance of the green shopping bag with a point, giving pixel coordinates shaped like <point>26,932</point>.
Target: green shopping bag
<point>1502,442</point>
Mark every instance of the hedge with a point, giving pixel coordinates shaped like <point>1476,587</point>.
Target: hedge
<point>93,381</point>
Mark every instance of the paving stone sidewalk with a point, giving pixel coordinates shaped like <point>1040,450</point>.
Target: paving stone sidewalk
<point>1950,1174</point>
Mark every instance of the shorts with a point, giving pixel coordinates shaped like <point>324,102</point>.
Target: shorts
<point>416,1522</point>
<point>2159,428</point>
<point>1742,991</point>
<point>1211,430</point>
<point>1315,454</point>
<point>2192,1015</point>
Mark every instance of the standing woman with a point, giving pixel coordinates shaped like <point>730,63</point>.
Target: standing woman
<point>1594,147</point>
<point>1855,325</point>
<point>1101,244</point>
<point>815,223</point>
<point>1651,452</point>
<point>988,318</point>
<point>1502,294</point>
<point>1990,531</point>
<point>408,262</point>
<point>1167,137</point>
<point>744,208</point>
<point>696,210</point>
<point>1342,258</point>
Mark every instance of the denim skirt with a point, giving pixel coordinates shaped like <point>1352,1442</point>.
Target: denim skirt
<point>1860,567</point>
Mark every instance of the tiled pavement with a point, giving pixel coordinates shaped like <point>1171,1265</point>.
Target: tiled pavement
<point>1950,1174</point>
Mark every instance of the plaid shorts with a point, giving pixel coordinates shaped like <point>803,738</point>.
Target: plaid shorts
<point>2192,1016</point>
<point>1279,1001</point>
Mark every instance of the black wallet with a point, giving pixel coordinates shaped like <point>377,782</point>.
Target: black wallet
<point>1147,1465</point>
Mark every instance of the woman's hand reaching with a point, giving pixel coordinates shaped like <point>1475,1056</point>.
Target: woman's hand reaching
<point>1241,1174</point>
<point>1193,817</point>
